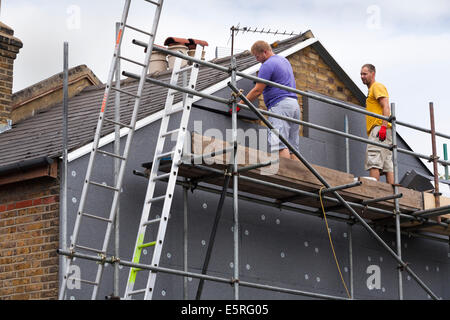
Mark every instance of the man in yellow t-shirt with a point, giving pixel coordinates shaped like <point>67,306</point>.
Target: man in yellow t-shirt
<point>378,160</point>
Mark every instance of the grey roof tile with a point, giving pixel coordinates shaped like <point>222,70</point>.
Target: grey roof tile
<point>41,135</point>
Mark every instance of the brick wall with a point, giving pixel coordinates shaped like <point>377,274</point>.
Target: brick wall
<point>29,233</point>
<point>9,48</point>
<point>6,82</point>
<point>312,73</point>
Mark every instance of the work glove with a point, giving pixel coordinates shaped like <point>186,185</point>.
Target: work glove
<point>382,133</point>
<point>231,110</point>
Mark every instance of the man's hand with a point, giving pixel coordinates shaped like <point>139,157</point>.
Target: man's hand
<point>382,133</point>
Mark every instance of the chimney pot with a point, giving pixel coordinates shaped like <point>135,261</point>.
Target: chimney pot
<point>193,45</point>
<point>158,61</point>
<point>180,48</point>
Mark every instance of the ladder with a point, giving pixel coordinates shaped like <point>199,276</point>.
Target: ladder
<point>169,178</point>
<point>74,245</point>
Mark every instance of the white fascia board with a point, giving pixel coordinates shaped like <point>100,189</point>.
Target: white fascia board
<point>158,115</point>
<point>78,153</point>
<point>299,46</point>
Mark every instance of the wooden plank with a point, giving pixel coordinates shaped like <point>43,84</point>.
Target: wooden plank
<point>428,201</point>
<point>294,174</point>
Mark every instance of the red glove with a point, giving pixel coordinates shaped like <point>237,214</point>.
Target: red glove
<point>231,110</point>
<point>382,133</point>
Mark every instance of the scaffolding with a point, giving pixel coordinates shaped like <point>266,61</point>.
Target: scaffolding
<point>232,173</point>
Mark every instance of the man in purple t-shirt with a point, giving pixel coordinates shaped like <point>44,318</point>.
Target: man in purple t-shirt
<point>277,69</point>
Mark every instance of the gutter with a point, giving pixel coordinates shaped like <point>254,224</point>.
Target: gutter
<point>23,166</point>
<point>29,169</point>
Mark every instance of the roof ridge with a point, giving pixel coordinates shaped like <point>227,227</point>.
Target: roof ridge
<point>302,37</point>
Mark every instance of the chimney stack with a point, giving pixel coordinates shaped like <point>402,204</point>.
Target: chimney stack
<point>9,48</point>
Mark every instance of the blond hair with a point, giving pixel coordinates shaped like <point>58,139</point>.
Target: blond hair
<point>260,46</point>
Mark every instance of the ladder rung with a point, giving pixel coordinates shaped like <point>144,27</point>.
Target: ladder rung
<point>89,249</point>
<point>85,281</point>
<point>96,217</point>
<point>125,92</point>
<point>146,245</point>
<point>132,61</point>
<point>118,123</point>
<point>185,69</point>
<point>173,111</point>
<point>156,199</point>
<point>139,30</point>
<point>168,133</point>
<point>163,155</point>
<point>176,92</point>
<point>136,292</point>
<point>103,186</point>
<point>111,154</point>
<point>154,2</point>
<point>151,221</point>
<point>163,176</point>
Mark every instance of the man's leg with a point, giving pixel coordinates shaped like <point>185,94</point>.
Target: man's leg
<point>390,177</point>
<point>375,173</point>
<point>294,128</point>
<point>284,153</point>
<point>373,156</point>
<point>388,165</point>
<point>294,157</point>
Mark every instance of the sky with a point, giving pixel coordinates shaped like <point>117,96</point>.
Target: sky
<point>407,41</point>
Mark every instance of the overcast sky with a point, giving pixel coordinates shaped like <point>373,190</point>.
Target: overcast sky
<point>408,41</point>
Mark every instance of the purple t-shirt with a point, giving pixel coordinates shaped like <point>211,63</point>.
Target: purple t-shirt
<point>277,69</point>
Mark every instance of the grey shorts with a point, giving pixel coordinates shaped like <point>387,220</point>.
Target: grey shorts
<point>377,157</point>
<point>287,107</point>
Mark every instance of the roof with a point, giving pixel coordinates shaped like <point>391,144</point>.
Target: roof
<point>46,93</point>
<point>41,135</point>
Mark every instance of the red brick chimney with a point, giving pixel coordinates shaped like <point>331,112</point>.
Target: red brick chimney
<point>9,48</point>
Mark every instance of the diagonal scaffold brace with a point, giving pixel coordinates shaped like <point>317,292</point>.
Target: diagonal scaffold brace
<point>402,264</point>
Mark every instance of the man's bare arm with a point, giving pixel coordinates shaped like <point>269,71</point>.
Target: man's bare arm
<point>384,103</point>
<point>255,92</point>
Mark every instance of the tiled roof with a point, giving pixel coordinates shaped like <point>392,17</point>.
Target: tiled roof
<point>41,135</point>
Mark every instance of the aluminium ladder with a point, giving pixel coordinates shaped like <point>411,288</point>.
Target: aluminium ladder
<point>74,245</point>
<point>175,156</point>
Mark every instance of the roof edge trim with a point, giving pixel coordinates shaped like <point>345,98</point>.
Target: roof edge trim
<point>299,46</point>
<point>78,153</point>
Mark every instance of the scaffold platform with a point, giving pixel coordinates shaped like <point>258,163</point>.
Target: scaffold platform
<point>289,181</point>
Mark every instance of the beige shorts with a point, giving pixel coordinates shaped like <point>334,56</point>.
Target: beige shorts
<point>377,157</point>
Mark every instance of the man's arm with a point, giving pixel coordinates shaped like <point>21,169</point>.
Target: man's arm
<point>384,103</point>
<point>255,92</point>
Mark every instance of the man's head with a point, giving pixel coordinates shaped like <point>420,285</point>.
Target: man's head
<point>368,74</point>
<point>261,50</point>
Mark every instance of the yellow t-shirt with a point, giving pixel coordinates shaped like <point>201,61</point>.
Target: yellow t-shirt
<point>376,91</point>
